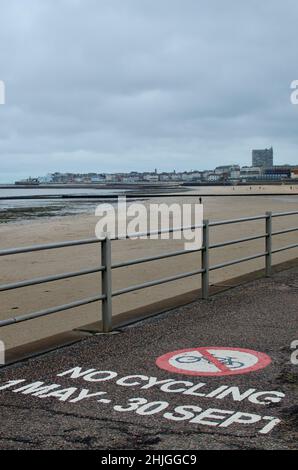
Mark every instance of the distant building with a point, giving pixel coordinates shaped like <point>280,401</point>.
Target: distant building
<point>226,168</point>
<point>249,173</point>
<point>45,179</point>
<point>97,178</point>
<point>262,158</point>
<point>278,173</point>
<point>213,177</point>
<point>235,174</point>
<point>164,177</point>
<point>152,177</point>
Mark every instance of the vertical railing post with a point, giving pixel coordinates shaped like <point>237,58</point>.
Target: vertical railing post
<point>205,260</point>
<point>106,284</point>
<point>268,244</point>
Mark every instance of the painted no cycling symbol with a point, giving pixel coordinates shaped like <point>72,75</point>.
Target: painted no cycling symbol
<point>216,361</point>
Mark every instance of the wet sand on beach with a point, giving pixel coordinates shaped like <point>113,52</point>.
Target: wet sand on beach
<point>44,263</point>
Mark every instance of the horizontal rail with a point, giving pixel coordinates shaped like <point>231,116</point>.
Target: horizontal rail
<point>284,214</point>
<point>158,232</point>
<point>42,280</point>
<point>155,283</point>
<point>237,261</point>
<point>154,258</point>
<point>284,248</point>
<point>239,240</point>
<point>49,246</point>
<point>236,221</point>
<point>49,311</point>
<point>287,230</point>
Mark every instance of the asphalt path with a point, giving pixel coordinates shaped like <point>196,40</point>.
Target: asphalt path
<point>108,392</point>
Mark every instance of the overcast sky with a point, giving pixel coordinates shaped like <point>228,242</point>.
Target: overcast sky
<point>120,85</point>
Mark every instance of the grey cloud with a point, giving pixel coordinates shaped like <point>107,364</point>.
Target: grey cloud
<point>109,85</point>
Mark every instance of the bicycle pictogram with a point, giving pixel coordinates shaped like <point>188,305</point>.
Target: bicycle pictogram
<point>228,360</point>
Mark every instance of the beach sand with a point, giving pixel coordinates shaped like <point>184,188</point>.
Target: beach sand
<point>33,265</point>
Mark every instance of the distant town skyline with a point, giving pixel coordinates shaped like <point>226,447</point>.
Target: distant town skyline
<point>262,169</point>
<point>134,85</point>
<point>24,174</point>
<point>259,158</point>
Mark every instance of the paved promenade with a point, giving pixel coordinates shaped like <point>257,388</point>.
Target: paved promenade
<point>212,375</point>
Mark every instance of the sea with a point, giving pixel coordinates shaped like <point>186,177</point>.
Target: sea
<point>24,210</point>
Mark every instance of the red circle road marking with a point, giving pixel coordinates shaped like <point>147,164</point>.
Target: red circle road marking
<point>261,360</point>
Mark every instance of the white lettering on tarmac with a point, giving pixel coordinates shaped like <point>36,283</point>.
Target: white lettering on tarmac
<point>62,395</point>
<point>235,392</point>
<point>217,391</point>
<point>134,404</point>
<point>193,389</point>
<point>187,413</point>
<point>251,395</point>
<point>211,413</point>
<point>273,422</point>
<point>184,413</point>
<point>39,389</point>
<point>84,393</point>
<point>125,381</point>
<point>11,383</point>
<point>89,375</point>
<point>36,388</point>
<point>241,418</point>
<point>168,386</point>
<point>152,408</point>
<point>107,375</point>
<point>269,397</point>
<point>76,372</point>
<point>192,413</point>
<point>152,381</point>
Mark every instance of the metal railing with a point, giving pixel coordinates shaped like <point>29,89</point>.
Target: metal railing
<point>106,268</point>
